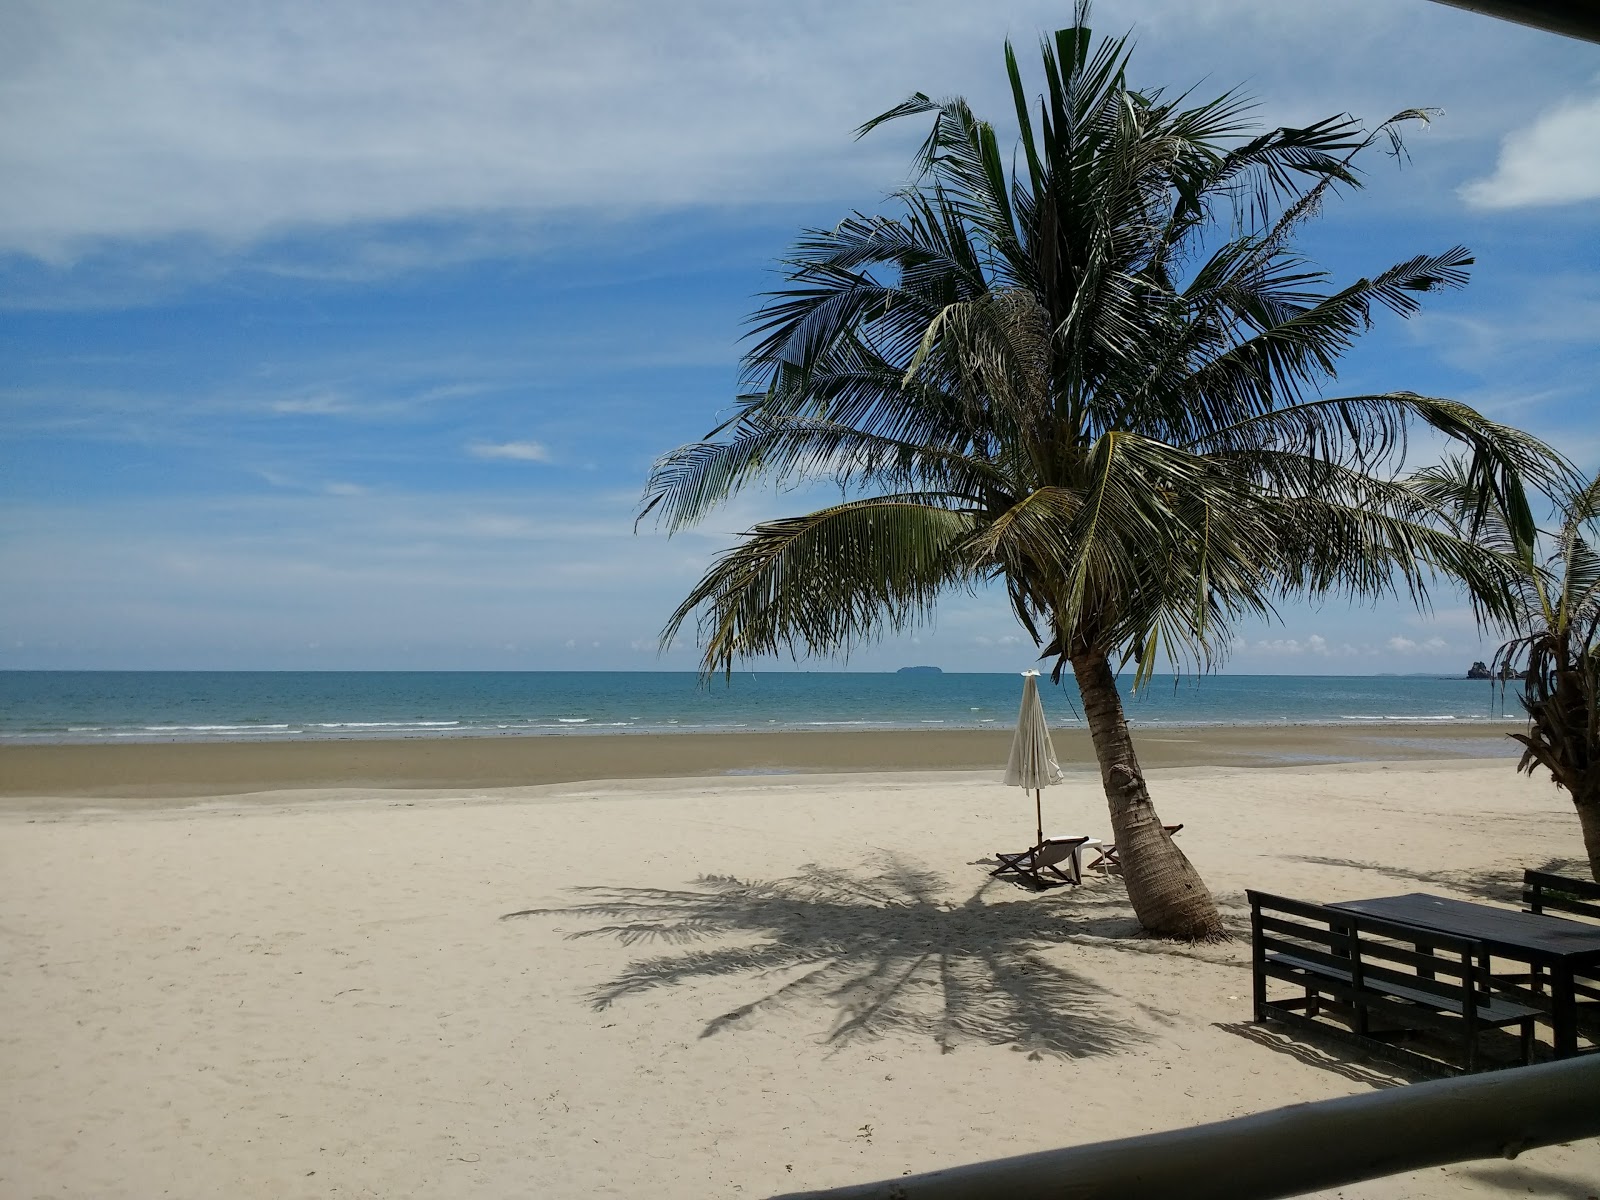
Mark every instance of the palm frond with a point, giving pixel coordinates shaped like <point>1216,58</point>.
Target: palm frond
<point>691,481</point>
<point>1095,378</point>
<point>829,580</point>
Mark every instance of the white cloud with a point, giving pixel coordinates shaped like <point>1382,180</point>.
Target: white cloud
<point>1556,160</point>
<point>344,489</point>
<point>1314,645</point>
<point>1460,620</point>
<point>1405,645</point>
<point>1280,646</point>
<point>306,115</point>
<point>514,451</point>
<point>299,116</point>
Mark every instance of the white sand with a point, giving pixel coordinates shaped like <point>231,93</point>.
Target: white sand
<point>314,994</point>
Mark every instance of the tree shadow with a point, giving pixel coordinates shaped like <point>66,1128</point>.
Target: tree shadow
<point>1106,919</point>
<point>880,946</point>
<point>1503,886</point>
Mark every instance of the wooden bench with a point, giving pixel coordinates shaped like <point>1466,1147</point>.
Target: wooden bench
<point>1548,894</point>
<point>1544,892</point>
<point>1386,979</point>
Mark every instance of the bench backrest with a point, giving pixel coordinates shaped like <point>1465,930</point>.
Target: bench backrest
<point>1543,892</point>
<point>1375,952</point>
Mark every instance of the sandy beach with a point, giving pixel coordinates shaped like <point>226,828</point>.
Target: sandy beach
<point>426,969</point>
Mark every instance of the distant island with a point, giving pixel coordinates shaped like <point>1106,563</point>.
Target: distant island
<point>919,671</point>
<point>1480,670</point>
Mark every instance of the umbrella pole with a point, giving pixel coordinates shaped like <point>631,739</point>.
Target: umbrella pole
<point>1038,813</point>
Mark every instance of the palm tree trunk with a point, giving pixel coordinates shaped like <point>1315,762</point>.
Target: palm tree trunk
<point>1168,895</point>
<point>1589,820</point>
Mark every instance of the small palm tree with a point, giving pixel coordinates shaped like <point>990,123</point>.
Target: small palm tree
<point>1559,651</point>
<point>1090,379</point>
<point>1560,655</point>
<point>1555,652</point>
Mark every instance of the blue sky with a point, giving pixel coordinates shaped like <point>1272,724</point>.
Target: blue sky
<point>343,335</point>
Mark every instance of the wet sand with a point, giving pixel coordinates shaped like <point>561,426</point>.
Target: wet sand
<point>168,772</point>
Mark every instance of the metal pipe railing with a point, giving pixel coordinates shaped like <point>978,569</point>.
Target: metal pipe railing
<point>1289,1151</point>
<point>1574,18</point>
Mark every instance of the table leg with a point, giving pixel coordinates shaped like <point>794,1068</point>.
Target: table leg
<point>1564,1010</point>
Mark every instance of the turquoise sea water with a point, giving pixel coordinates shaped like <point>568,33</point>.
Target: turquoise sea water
<point>99,706</point>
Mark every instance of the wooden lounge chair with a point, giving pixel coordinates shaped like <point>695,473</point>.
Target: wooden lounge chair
<point>1108,853</point>
<point>1043,864</point>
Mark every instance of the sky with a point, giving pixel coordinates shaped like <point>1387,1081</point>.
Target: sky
<point>343,334</point>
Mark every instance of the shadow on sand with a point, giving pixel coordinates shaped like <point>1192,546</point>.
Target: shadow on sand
<point>1326,1054</point>
<point>1502,886</point>
<point>1527,1180</point>
<point>881,947</point>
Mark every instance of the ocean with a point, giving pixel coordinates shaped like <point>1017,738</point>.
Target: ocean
<point>198,706</point>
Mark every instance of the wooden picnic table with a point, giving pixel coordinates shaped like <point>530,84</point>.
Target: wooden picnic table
<point>1552,944</point>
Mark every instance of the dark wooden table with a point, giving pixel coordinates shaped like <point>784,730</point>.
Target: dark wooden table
<point>1558,946</point>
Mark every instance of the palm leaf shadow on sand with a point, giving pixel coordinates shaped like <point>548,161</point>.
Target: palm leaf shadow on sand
<point>1501,885</point>
<point>884,950</point>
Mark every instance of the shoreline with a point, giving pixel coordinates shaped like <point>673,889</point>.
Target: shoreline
<point>181,770</point>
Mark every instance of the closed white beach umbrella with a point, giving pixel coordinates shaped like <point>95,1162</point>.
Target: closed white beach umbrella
<point>1033,759</point>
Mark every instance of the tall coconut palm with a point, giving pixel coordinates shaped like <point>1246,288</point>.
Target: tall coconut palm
<point>1556,649</point>
<point>1091,380</point>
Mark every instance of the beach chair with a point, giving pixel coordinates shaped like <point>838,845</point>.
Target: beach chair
<point>1108,853</point>
<point>1043,864</point>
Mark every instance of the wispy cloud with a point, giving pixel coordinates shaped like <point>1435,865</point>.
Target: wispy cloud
<point>316,404</point>
<point>1555,160</point>
<point>511,451</point>
<point>293,482</point>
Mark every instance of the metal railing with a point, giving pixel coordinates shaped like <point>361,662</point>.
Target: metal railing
<point>1574,18</point>
<point>1289,1151</point>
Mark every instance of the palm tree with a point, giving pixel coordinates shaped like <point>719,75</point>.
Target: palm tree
<point>1560,653</point>
<point>1091,380</point>
<point>1557,644</point>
